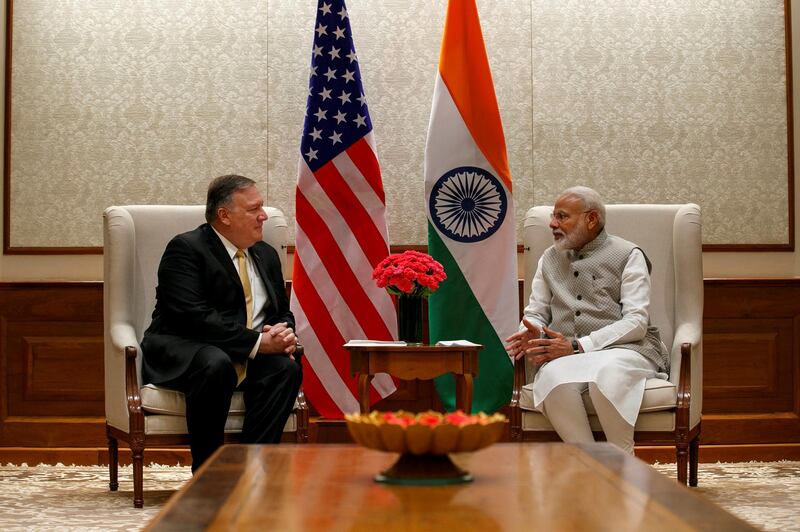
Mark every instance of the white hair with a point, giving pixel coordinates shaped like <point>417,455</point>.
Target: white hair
<point>591,201</point>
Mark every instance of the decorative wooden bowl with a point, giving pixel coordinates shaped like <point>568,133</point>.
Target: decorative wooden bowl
<point>424,442</point>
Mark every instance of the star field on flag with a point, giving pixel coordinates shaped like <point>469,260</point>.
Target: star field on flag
<point>341,224</point>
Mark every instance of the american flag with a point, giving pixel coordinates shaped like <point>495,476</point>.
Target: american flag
<point>341,225</point>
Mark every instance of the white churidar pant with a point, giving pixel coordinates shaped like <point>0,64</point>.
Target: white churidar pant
<point>615,379</point>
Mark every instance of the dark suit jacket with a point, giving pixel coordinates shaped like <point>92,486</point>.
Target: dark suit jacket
<point>200,302</point>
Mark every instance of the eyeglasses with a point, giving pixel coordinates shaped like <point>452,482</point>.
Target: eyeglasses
<point>562,216</point>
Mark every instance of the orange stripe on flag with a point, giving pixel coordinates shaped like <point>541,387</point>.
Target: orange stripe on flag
<point>464,68</point>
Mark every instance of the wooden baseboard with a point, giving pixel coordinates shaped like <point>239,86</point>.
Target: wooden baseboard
<point>88,456</point>
<point>99,456</point>
<point>765,452</point>
<point>51,374</point>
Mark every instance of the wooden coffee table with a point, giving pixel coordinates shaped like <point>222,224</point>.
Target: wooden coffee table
<point>416,362</point>
<point>517,486</point>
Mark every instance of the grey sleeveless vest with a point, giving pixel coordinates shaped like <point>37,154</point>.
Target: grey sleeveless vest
<point>586,291</point>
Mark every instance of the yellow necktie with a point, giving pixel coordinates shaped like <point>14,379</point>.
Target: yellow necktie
<point>241,369</point>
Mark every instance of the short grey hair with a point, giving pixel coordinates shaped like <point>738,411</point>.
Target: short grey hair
<point>591,201</point>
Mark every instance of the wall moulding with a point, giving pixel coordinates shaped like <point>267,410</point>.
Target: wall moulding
<point>751,398</point>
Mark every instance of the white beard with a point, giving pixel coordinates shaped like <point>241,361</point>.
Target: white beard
<point>575,240</point>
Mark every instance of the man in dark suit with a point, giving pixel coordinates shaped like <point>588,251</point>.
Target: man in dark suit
<point>220,308</point>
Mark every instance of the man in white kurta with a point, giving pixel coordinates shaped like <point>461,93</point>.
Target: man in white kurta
<point>587,324</point>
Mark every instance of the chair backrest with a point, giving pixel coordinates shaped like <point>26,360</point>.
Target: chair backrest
<point>670,237</point>
<point>135,237</point>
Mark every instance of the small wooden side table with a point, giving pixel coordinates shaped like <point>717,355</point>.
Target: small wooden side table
<point>415,362</point>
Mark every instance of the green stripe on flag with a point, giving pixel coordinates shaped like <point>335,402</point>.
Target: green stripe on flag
<point>454,314</point>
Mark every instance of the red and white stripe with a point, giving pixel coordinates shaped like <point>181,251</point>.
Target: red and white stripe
<point>341,236</point>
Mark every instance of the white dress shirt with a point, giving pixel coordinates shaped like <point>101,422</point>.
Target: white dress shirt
<point>634,297</point>
<point>256,285</point>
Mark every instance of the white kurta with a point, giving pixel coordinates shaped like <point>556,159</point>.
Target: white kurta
<point>619,374</point>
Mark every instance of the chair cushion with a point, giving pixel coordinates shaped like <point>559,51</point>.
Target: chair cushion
<point>659,394</point>
<point>157,400</point>
<point>661,421</point>
<point>156,424</point>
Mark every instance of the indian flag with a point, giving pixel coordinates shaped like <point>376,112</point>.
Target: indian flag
<point>471,228</point>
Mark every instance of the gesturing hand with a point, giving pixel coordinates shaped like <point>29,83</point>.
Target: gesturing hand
<point>547,349</point>
<point>517,343</point>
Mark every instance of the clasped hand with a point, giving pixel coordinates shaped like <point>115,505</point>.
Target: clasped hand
<point>278,338</point>
<point>539,350</point>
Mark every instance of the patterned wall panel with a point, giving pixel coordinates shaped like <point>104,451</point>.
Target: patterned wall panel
<point>118,102</point>
<point>648,100</point>
<point>666,101</point>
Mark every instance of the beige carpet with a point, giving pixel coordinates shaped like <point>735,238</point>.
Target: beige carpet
<point>77,498</point>
<point>765,494</point>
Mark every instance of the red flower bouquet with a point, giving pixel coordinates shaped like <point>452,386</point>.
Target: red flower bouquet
<point>409,273</point>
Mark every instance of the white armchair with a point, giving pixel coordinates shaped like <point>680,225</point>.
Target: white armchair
<point>670,411</point>
<point>146,416</point>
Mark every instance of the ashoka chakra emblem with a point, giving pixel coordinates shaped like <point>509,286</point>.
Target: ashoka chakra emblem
<point>468,204</point>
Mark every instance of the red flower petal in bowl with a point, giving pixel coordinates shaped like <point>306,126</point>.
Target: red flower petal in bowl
<point>430,419</point>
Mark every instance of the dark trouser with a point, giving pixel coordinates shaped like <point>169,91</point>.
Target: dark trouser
<point>270,390</point>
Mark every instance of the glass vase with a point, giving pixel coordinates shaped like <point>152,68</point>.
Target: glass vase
<point>409,318</point>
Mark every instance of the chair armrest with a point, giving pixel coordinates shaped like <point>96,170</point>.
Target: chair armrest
<point>302,402</point>
<point>684,392</point>
<point>134,398</point>
<point>688,374</point>
<point>302,412</point>
<point>685,333</point>
<point>519,381</point>
<point>121,376</point>
<point>515,423</point>
<point>684,386</point>
<point>122,336</point>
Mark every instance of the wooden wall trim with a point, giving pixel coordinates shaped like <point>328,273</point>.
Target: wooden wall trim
<point>787,24</point>
<point>51,364</point>
<point>91,456</point>
<point>751,361</point>
<point>7,131</point>
<point>751,281</point>
<point>49,285</point>
<point>751,384</point>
